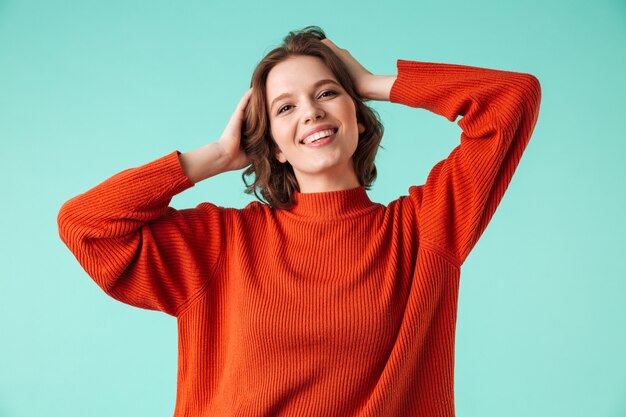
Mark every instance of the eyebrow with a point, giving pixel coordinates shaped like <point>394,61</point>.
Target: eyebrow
<point>317,84</point>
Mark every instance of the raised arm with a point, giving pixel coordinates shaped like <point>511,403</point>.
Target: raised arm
<point>224,155</point>
<point>135,247</point>
<point>500,110</point>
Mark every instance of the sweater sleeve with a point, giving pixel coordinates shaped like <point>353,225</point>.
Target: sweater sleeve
<point>462,192</point>
<point>135,247</point>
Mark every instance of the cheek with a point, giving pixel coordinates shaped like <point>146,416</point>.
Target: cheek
<point>283,131</point>
<point>350,111</point>
<point>280,135</point>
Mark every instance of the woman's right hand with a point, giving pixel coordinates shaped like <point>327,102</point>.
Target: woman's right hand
<point>223,155</point>
<point>230,141</point>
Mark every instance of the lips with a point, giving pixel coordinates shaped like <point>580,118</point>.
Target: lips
<point>317,129</point>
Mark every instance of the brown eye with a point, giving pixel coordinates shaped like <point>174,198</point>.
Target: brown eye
<point>331,92</point>
<point>282,108</point>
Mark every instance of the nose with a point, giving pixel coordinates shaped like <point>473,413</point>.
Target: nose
<point>313,112</point>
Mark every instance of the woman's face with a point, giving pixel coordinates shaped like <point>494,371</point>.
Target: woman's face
<point>304,97</point>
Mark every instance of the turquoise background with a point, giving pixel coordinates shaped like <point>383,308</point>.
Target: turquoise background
<point>90,88</point>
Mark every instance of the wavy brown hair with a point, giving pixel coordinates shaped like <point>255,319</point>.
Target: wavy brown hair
<point>276,181</point>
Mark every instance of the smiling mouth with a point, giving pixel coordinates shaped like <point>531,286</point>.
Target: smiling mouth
<point>319,136</point>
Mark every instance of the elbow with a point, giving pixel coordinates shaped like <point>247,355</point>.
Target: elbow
<point>65,222</point>
<point>524,97</point>
<point>528,90</point>
<point>70,223</point>
<point>533,87</point>
<point>104,260</point>
<point>73,230</point>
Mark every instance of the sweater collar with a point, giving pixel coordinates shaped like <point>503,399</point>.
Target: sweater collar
<point>331,204</point>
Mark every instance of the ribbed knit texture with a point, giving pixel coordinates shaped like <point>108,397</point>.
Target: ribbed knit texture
<point>337,307</point>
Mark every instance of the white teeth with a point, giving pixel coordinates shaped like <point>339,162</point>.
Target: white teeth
<point>318,135</point>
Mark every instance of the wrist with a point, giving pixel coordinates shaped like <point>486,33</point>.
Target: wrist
<point>204,162</point>
<point>378,87</point>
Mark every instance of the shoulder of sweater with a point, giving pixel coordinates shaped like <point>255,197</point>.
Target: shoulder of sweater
<point>251,207</point>
<point>408,202</point>
<point>257,210</point>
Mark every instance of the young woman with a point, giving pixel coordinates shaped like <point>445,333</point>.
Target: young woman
<point>316,301</point>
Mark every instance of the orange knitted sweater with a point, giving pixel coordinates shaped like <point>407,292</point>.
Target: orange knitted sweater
<point>337,307</point>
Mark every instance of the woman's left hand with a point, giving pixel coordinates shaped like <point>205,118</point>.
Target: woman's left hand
<point>368,85</point>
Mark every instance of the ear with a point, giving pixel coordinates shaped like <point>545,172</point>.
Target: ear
<point>280,156</point>
<point>361,128</point>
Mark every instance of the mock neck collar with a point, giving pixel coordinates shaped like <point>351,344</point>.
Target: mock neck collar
<point>331,204</point>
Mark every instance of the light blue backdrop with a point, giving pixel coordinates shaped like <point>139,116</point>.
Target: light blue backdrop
<point>90,88</point>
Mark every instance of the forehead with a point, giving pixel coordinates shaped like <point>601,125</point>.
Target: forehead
<point>295,73</point>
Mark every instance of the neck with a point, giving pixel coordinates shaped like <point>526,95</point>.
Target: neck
<point>333,205</point>
<point>332,180</point>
